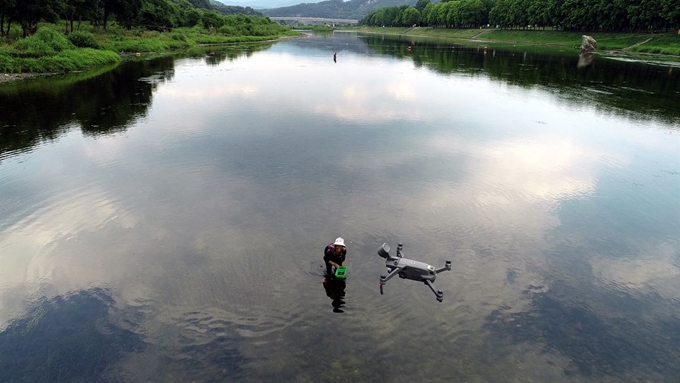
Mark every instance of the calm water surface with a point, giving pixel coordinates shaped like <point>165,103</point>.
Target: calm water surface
<point>165,221</point>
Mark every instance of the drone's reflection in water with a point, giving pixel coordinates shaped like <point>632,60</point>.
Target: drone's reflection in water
<point>335,289</point>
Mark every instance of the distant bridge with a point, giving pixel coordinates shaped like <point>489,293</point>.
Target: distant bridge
<point>313,21</point>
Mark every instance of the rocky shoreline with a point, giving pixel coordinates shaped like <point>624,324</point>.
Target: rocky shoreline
<point>9,77</point>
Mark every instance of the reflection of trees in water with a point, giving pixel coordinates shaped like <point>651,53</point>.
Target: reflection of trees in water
<point>65,339</point>
<point>87,337</point>
<point>634,90</point>
<point>110,102</point>
<point>215,55</point>
<point>339,43</point>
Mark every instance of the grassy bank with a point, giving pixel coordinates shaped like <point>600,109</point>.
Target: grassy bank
<point>50,51</point>
<point>661,43</point>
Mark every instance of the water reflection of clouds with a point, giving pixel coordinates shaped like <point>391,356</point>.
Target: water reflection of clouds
<point>349,94</point>
<point>360,103</point>
<point>654,271</point>
<point>39,248</point>
<point>199,92</point>
<point>551,168</point>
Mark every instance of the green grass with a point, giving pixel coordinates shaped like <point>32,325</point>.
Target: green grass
<point>65,61</point>
<point>322,28</point>
<point>443,32</point>
<point>178,39</point>
<point>667,44</point>
<point>50,51</point>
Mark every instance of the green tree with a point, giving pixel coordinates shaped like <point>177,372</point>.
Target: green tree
<point>410,16</point>
<point>394,15</point>
<point>651,14</point>
<point>212,20</point>
<point>488,6</point>
<point>125,11</point>
<point>499,14</point>
<point>79,9</point>
<point>192,17</point>
<point>447,14</point>
<point>440,14</point>
<point>205,4</point>
<point>7,11</point>
<point>537,12</point>
<point>556,13</point>
<point>29,12</point>
<point>426,15</point>
<point>421,4</point>
<point>158,15</point>
<point>670,9</point>
<point>471,13</point>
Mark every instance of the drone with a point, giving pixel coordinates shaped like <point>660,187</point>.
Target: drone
<point>409,269</point>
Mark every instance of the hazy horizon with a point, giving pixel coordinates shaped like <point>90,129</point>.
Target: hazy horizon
<point>267,3</point>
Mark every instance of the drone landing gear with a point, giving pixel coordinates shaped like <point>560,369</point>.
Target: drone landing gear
<point>438,293</point>
<point>383,279</point>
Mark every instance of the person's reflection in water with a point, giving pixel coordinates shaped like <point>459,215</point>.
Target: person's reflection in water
<point>335,289</point>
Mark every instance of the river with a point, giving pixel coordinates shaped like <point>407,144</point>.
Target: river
<point>165,220</point>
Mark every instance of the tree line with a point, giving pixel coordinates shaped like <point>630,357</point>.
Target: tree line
<point>569,15</point>
<point>149,14</point>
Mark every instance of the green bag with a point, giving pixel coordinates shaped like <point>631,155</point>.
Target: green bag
<point>340,272</point>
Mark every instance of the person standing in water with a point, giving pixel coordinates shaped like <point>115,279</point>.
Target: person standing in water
<point>334,255</point>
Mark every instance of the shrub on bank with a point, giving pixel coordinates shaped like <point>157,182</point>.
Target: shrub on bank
<point>65,61</point>
<point>138,44</point>
<point>45,42</point>
<point>6,63</point>
<point>32,47</point>
<point>179,36</point>
<point>56,41</point>
<point>82,39</point>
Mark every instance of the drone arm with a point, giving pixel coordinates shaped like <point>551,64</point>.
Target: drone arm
<point>447,267</point>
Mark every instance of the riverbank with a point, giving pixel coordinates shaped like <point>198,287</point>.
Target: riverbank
<point>51,52</point>
<point>658,44</point>
<point>10,77</point>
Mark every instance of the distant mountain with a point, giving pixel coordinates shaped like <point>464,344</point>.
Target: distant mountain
<point>336,9</point>
<point>233,9</point>
<point>260,4</point>
<point>205,4</point>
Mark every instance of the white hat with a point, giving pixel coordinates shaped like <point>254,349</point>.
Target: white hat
<point>339,242</point>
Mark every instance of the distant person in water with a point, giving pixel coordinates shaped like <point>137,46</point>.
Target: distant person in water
<point>334,255</point>
<point>334,59</point>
